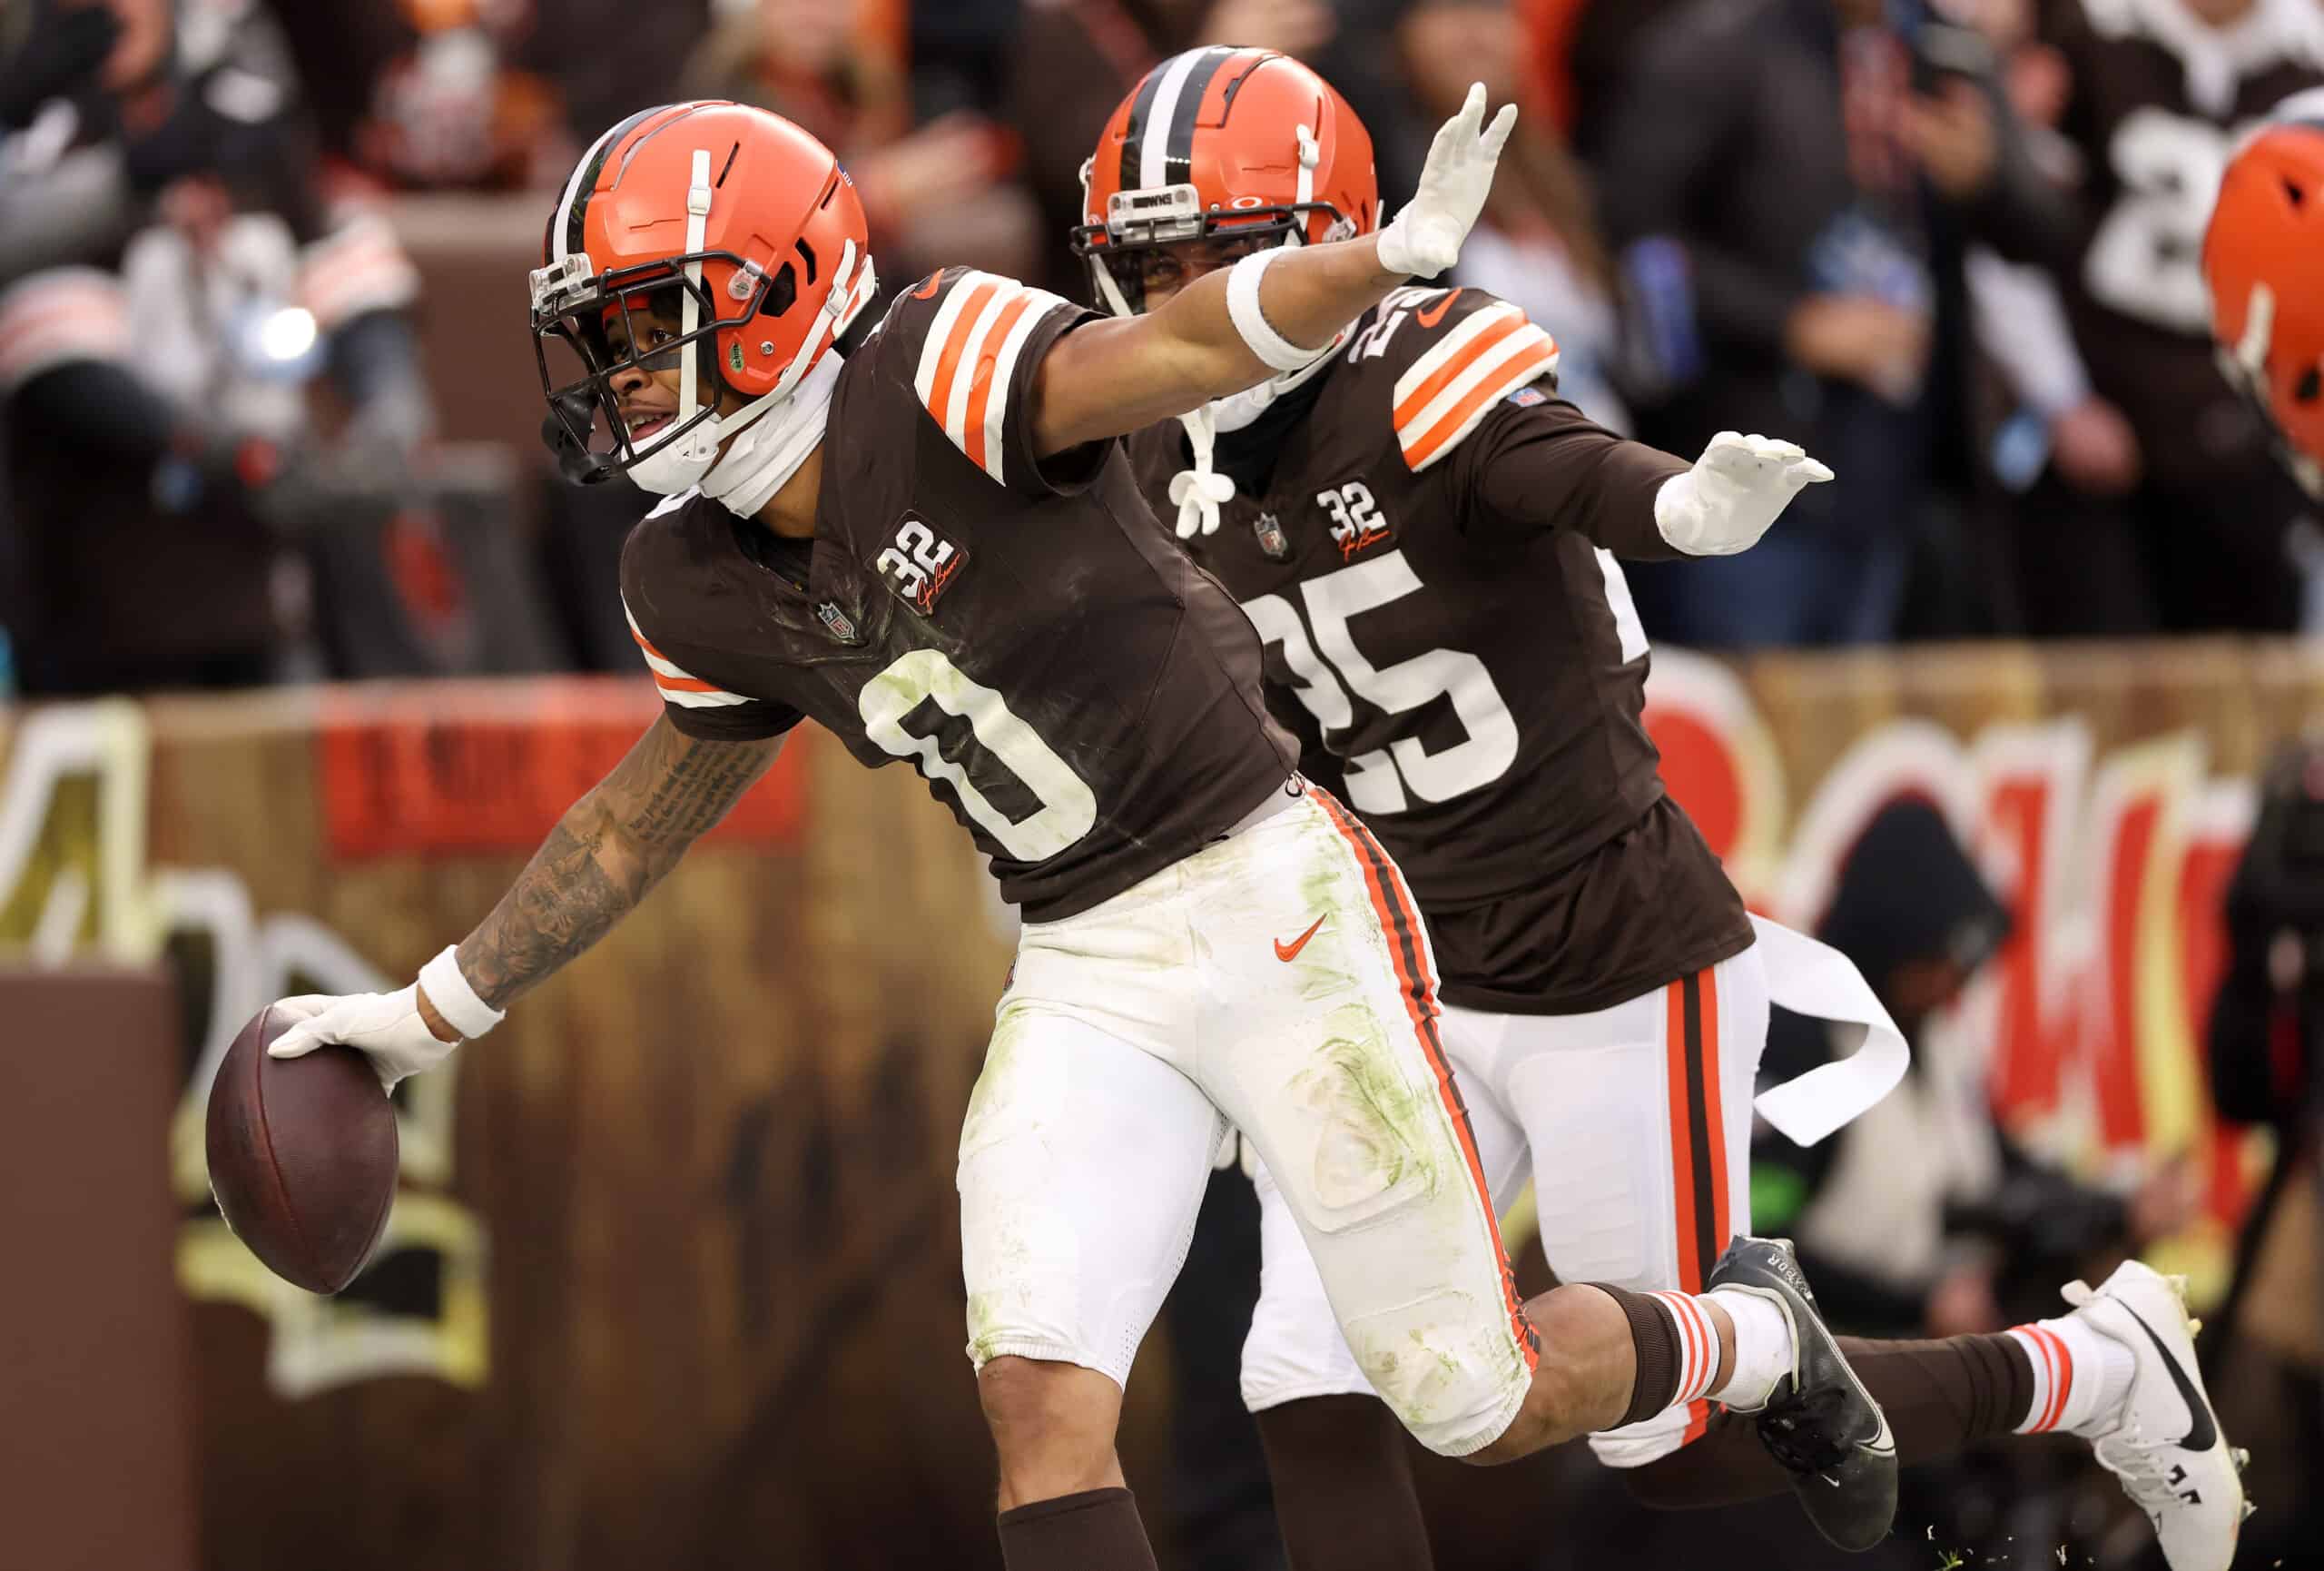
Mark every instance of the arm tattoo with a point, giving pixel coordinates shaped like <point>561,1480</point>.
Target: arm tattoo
<point>611,848</point>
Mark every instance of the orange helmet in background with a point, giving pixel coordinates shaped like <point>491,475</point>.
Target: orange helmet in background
<point>2263,259</point>
<point>735,216</point>
<point>1222,143</point>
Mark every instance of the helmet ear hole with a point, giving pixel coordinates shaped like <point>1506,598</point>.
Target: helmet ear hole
<point>807,254</point>
<point>780,292</point>
<point>2294,193</point>
<point>2310,383</point>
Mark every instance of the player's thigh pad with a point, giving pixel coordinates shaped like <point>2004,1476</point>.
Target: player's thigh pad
<point>1331,1063</point>
<point>1295,1349</point>
<point>1640,1121</point>
<point>1083,1163</point>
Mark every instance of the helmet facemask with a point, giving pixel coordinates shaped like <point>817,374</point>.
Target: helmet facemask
<point>1141,226</point>
<point>573,314</point>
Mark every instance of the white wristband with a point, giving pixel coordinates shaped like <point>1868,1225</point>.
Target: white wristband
<point>442,980</point>
<point>1243,307</point>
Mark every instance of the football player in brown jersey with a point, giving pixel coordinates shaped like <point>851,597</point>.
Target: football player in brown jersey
<point>1424,539</point>
<point>925,536</point>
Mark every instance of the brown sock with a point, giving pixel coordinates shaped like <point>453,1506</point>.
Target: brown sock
<point>1343,1486</point>
<point>1096,1530</point>
<point>1654,1336</point>
<point>1939,1397</point>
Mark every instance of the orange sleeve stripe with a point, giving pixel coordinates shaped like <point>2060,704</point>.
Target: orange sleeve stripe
<point>939,394</point>
<point>645,645</point>
<point>980,388</point>
<point>1447,373</point>
<point>1522,370</point>
<point>684,685</point>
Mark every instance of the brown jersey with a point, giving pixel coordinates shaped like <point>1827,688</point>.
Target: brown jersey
<point>2159,101</point>
<point>1085,702</point>
<point>1417,535</point>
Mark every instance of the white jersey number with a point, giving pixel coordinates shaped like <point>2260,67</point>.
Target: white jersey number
<point>1068,807</point>
<point>2146,258</point>
<point>1378,781</point>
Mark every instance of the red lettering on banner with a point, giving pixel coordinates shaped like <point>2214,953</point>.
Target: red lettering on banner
<point>2112,1047</point>
<point>2094,1010</point>
<point>1701,772</point>
<point>479,769</point>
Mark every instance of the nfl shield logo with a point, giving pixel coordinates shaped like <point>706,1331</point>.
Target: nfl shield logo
<point>1272,540</point>
<point>837,622</point>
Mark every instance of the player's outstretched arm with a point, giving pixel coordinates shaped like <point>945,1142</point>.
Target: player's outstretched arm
<point>610,848</point>
<point>1269,313</point>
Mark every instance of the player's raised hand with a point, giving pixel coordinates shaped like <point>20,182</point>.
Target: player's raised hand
<point>1424,239</point>
<point>1736,490</point>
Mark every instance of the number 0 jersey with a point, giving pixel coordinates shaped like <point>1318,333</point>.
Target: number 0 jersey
<point>1417,535</point>
<point>1083,699</point>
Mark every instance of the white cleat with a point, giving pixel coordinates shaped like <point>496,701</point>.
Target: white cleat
<point>2165,1447</point>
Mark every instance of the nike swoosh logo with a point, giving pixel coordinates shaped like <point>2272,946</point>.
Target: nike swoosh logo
<point>1288,953</point>
<point>1434,314</point>
<point>2202,1433</point>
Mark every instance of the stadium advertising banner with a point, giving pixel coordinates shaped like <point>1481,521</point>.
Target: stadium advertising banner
<point>678,1243</point>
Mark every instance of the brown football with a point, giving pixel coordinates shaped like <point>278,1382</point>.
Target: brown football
<point>303,1156</point>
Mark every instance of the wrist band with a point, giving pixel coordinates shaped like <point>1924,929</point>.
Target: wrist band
<point>447,988</point>
<point>1243,307</point>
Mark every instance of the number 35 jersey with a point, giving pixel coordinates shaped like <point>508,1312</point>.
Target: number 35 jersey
<point>1416,534</point>
<point>1081,697</point>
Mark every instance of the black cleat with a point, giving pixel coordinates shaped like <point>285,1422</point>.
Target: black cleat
<point>1820,1422</point>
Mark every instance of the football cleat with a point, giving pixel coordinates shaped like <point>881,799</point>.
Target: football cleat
<point>1820,1422</point>
<point>2162,1443</point>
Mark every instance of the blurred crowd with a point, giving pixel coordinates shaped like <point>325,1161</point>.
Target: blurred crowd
<point>1950,246</point>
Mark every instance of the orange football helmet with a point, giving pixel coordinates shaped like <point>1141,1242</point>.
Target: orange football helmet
<point>738,216</point>
<point>2264,261</point>
<point>1222,143</point>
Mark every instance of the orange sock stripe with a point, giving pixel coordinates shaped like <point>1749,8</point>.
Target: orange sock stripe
<point>2061,1375</point>
<point>1691,1343</point>
<point>1400,923</point>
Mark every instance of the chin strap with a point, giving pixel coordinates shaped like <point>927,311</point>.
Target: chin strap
<point>1202,490</point>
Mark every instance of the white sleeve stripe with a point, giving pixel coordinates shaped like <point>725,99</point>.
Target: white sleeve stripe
<point>1526,342</point>
<point>685,699</point>
<point>1424,444</point>
<point>954,415</point>
<point>939,332</point>
<point>668,673</point>
<point>1447,352</point>
<point>1004,367</point>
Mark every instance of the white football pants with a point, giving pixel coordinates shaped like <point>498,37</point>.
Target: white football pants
<point>1634,1123</point>
<point>1278,983</point>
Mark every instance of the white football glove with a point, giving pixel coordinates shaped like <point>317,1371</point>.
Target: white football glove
<point>1736,490</point>
<point>386,1027</point>
<point>1424,239</point>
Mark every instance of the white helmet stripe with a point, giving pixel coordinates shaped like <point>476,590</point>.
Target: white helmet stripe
<point>1154,151</point>
<point>557,227</point>
<point>689,303</point>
